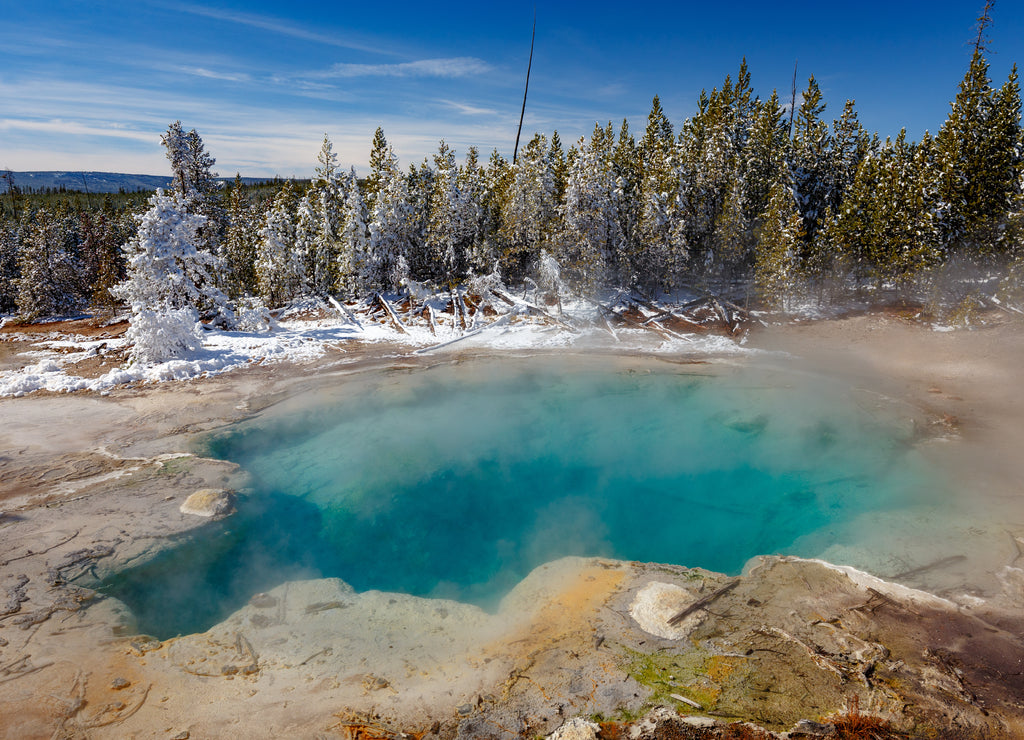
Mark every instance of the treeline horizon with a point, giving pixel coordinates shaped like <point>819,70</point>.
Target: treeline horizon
<point>746,199</point>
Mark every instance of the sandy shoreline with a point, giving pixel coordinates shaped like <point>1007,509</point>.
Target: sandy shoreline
<point>91,482</point>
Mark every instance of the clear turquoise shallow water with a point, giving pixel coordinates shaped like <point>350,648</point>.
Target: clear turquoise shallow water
<point>457,481</point>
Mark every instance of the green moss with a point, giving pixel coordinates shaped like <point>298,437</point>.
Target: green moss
<point>174,466</point>
<point>684,674</point>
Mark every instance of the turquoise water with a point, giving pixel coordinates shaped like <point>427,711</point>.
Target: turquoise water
<point>457,481</point>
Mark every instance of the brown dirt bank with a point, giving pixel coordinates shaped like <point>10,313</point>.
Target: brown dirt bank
<point>96,482</point>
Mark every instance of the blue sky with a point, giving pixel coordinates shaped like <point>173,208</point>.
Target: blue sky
<point>91,85</point>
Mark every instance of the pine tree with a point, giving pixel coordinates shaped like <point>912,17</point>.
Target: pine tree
<point>381,158</point>
<point>49,281</point>
<point>10,251</point>
<point>779,243</point>
<point>764,155</point>
<point>239,250</point>
<point>979,152</point>
<point>528,214</point>
<point>446,234</point>
<point>279,265</point>
<point>656,253</point>
<point>319,238</point>
<point>809,159</point>
<point>390,230</point>
<point>593,238</point>
<point>195,182</point>
<point>353,241</point>
<point>479,253</point>
<point>169,282</point>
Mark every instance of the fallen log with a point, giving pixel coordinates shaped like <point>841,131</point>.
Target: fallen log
<point>703,603</point>
<point>341,307</point>
<point>532,307</point>
<point>655,327</point>
<point>504,319</point>
<point>391,314</point>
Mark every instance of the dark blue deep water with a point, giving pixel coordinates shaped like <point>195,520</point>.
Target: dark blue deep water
<point>457,481</point>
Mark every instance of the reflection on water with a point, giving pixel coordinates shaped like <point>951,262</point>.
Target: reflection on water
<point>457,481</point>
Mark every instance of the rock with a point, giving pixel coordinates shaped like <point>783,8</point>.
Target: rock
<point>120,683</point>
<point>576,728</point>
<point>806,727</point>
<point>698,721</point>
<point>658,602</point>
<point>209,502</point>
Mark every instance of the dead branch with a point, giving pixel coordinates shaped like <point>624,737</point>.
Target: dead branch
<point>532,307</point>
<point>341,307</point>
<point>930,566</point>
<point>703,603</point>
<point>390,311</point>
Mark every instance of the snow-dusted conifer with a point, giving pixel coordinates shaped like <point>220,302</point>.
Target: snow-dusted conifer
<point>353,242</point>
<point>49,281</point>
<point>593,236</point>
<point>390,230</point>
<point>279,265</point>
<point>168,281</point>
<point>195,182</point>
<point>528,214</point>
<point>778,248</point>
<point>239,248</point>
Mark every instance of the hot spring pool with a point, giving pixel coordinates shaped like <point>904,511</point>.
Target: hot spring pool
<point>456,481</point>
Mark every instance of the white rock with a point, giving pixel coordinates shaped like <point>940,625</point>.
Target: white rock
<point>658,602</point>
<point>209,502</point>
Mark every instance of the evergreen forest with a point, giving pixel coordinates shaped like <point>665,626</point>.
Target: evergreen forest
<point>768,204</point>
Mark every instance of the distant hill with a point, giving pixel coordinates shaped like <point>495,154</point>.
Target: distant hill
<point>97,182</point>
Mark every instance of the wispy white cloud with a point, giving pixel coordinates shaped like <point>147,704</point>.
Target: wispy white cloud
<point>469,110</point>
<point>215,75</point>
<point>73,128</point>
<point>452,67</point>
<point>275,25</point>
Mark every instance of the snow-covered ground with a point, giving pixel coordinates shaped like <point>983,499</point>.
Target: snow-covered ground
<point>307,332</point>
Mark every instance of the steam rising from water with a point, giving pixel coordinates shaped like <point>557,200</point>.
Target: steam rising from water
<point>458,480</point>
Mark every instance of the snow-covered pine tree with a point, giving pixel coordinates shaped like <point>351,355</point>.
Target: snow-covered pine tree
<point>168,282</point>
<point>381,160</point>
<point>10,250</point>
<point>49,282</point>
<point>390,229</point>
<point>101,256</point>
<point>279,264</point>
<point>447,233</point>
<point>239,249</point>
<point>528,214</point>
<point>628,173</point>
<point>419,257</point>
<point>353,241</point>
<point>905,236</point>
<point>319,238</point>
<point>592,242</point>
<point>195,182</point>
<point>809,161</point>
<point>657,254</point>
<point>497,181</point>
<point>778,246</point>
<point>979,152</point>
<point>479,253</point>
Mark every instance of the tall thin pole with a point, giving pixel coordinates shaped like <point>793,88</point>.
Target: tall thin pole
<point>522,113</point>
<point>792,99</point>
